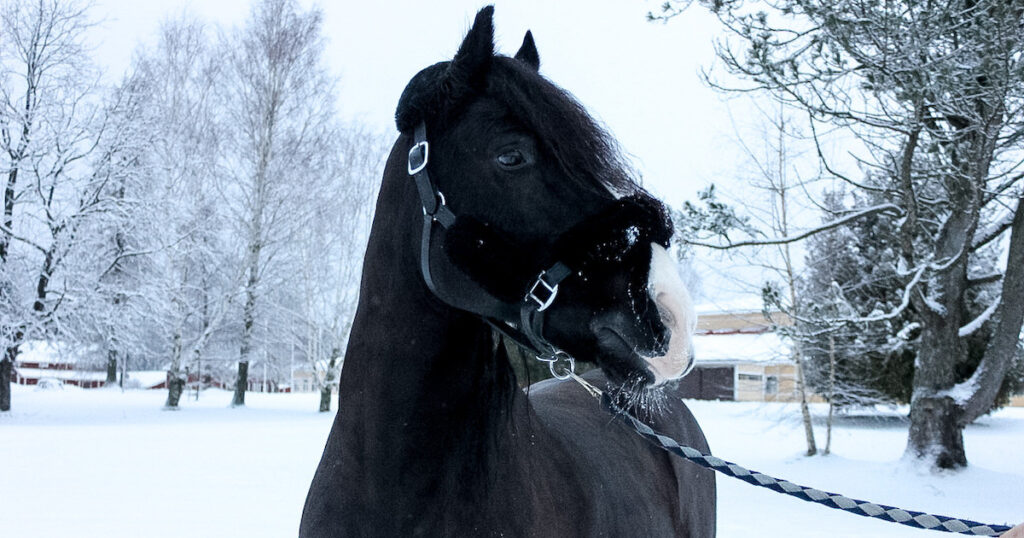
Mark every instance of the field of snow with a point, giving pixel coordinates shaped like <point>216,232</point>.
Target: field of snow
<point>102,463</point>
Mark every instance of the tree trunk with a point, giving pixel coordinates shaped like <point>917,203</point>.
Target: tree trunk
<point>240,384</point>
<point>1002,347</point>
<point>783,228</point>
<point>831,391</point>
<point>124,371</point>
<point>43,280</point>
<point>175,384</point>
<point>7,372</point>
<point>330,378</point>
<point>175,387</point>
<point>5,383</point>
<point>805,411</point>
<point>199,370</point>
<point>7,362</point>
<point>325,399</point>
<point>111,367</point>
<point>248,323</point>
<point>935,432</point>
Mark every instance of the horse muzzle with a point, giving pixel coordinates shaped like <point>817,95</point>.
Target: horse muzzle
<point>675,309</point>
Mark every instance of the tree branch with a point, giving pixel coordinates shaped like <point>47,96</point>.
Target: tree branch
<point>785,240</point>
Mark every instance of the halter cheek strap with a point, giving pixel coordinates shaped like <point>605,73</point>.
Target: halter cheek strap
<point>434,207</point>
<point>542,293</point>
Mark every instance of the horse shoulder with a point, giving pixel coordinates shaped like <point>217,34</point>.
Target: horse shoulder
<point>620,475</point>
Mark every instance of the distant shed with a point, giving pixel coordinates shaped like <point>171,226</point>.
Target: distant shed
<point>740,358</point>
<point>38,360</point>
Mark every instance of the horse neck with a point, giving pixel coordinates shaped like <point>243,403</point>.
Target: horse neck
<point>425,405</point>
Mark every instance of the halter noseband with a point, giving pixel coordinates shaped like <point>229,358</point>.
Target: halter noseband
<point>541,294</point>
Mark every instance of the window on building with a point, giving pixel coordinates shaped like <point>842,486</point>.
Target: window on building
<point>771,385</point>
<point>749,377</point>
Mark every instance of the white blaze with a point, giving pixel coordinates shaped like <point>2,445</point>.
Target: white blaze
<point>677,313</point>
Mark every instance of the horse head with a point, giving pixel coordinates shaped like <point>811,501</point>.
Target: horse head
<point>525,183</point>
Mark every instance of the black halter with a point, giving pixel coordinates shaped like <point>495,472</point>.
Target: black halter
<point>529,332</point>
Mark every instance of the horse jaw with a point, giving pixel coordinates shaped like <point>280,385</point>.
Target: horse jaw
<point>668,292</point>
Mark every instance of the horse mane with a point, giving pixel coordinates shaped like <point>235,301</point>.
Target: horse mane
<point>587,154</point>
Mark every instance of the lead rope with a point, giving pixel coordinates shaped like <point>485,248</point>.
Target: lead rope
<point>892,514</point>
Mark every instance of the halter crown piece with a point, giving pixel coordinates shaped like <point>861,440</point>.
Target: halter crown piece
<point>537,298</point>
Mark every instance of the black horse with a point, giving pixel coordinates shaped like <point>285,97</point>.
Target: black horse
<point>499,176</point>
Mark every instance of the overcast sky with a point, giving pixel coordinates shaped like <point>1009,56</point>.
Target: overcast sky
<point>640,78</point>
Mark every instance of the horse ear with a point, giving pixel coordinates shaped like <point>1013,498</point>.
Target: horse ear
<point>528,52</point>
<point>473,59</point>
<point>437,86</point>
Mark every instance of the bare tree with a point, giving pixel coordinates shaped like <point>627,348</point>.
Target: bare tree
<point>278,101</point>
<point>180,74</point>
<point>50,124</point>
<point>774,172</point>
<point>330,252</point>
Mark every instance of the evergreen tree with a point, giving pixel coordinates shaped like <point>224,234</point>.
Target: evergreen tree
<point>857,353</point>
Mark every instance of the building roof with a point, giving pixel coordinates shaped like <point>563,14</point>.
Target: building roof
<point>745,321</point>
<point>40,351</point>
<point>740,347</point>
<point>63,375</point>
<point>147,378</point>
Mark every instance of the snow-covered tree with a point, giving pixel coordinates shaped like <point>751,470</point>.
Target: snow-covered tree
<point>772,168</point>
<point>59,156</point>
<point>852,277</point>
<point>191,268</point>
<point>109,298</point>
<point>851,273</point>
<point>933,94</point>
<point>329,253</point>
<point>278,100</point>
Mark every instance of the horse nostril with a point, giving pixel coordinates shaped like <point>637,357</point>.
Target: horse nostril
<point>661,345</point>
<point>621,338</point>
<point>661,300</point>
<point>613,340</point>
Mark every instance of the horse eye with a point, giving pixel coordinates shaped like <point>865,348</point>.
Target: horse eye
<point>511,159</point>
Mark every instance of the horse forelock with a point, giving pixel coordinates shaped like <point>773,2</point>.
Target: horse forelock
<point>587,154</point>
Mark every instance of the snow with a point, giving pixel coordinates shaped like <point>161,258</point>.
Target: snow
<point>136,379</point>
<point>147,378</point>
<point>755,347</point>
<point>935,306</point>
<point>40,351</point>
<point>962,392</point>
<point>745,303</point>
<point>994,229</point>
<point>904,333</point>
<point>63,375</point>
<point>977,322</point>
<point>107,464</point>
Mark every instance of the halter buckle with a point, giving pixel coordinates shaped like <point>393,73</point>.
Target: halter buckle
<point>419,154</point>
<point>541,285</point>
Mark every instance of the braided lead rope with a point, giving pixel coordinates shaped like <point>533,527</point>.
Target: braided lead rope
<point>892,514</point>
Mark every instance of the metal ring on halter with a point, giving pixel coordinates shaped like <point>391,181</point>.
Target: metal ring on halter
<point>557,357</point>
<point>441,202</point>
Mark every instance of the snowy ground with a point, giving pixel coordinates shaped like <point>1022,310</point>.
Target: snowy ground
<point>102,463</point>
